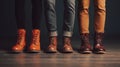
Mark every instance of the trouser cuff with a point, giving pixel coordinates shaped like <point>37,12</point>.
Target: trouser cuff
<point>54,33</point>
<point>67,34</point>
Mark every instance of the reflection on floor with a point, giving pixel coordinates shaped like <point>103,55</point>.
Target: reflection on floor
<point>110,59</point>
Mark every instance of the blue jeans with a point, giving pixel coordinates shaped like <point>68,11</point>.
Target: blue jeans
<point>69,16</point>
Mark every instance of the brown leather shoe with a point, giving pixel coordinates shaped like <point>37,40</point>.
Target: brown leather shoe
<point>85,44</point>
<point>98,46</point>
<point>35,42</point>
<point>19,46</point>
<point>67,45</point>
<point>52,48</point>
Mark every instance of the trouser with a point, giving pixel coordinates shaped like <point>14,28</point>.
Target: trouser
<point>69,15</point>
<point>20,13</point>
<point>99,15</point>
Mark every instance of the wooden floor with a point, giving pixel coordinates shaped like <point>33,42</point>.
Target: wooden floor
<point>110,59</point>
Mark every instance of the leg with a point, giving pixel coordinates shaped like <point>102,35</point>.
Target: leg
<point>69,16</point>
<point>20,18</point>
<point>36,17</point>
<point>84,15</point>
<point>50,15</point>
<point>100,15</point>
<point>84,26</point>
<point>36,13</point>
<point>20,13</point>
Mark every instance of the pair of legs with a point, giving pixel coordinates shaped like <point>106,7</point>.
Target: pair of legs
<point>20,19</point>
<point>99,24</point>
<point>51,22</point>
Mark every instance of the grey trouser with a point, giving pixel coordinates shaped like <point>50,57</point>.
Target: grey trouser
<point>69,16</point>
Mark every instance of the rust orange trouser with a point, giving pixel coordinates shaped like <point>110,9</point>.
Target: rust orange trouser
<point>99,15</point>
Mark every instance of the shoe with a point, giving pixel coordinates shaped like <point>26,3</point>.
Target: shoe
<point>21,43</point>
<point>85,44</point>
<point>98,45</point>
<point>67,45</point>
<point>52,48</point>
<point>35,41</point>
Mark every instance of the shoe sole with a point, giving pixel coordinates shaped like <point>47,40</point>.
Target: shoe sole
<point>86,52</point>
<point>67,51</point>
<point>99,52</point>
<point>34,51</point>
<point>49,51</point>
<point>17,51</point>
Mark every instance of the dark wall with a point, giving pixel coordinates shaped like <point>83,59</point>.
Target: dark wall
<point>8,23</point>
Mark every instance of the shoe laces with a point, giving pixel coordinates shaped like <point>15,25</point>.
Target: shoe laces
<point>34,38</point>
<point>67,41</point>
<point>20,36</point>
<point>52,41</point>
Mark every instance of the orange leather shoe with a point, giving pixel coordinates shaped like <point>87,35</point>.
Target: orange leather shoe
<point>19,46</point>
<point>52,48</point>
<point>67,45</point>
<point>35,42</point>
